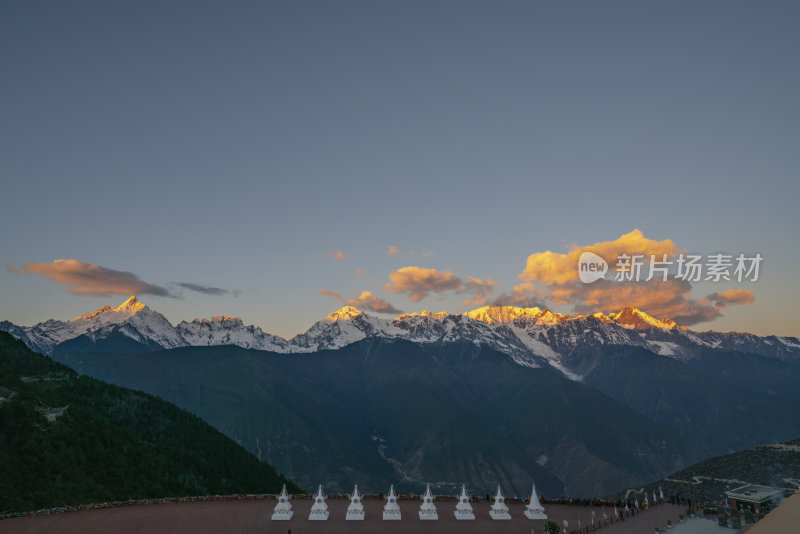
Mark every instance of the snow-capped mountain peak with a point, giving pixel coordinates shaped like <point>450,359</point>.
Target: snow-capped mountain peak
<point>344,313</point>
<point>507,314</point>
<point>342,327</point>
<point>132,305</point>
<point>424,313</point>
<point>114,314</point>
<point>223,319</point>
<point>131,319</point>
<point>224,330</point>
<point>548,318</point>
<point>502,314</point>
<point>531,336</point>
<point>639,320</point>
<point>91,315</point>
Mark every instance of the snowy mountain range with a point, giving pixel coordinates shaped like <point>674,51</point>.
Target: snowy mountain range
<point>607,400</point>
<point>530,336</point>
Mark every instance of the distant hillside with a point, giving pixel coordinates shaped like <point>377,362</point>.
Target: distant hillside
<point>66,440</point>
<point>723,401</point>
<point>381,411</point>
<point>775,465</point>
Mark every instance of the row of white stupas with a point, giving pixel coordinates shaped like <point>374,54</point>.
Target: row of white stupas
<point>391,510</point>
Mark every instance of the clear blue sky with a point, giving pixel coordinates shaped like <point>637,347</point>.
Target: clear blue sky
<point>233,144</point>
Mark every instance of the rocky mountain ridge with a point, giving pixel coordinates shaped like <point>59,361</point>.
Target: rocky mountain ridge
<point>530,336</point>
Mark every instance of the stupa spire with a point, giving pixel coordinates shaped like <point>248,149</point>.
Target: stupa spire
<point>283,510</point>
<point>427,510</point>
<point>319,510</point>
<point>499,509</point>
<point>391,510</point>
<point>464,508</point>
<point>355,510</point>
<point>535,510</point>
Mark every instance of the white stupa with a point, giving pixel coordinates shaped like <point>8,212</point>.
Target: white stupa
<point>535,510</point>
<point>655,501</point>
<point>427,510</point>
<point>283,510</point>
<point>355,510</point>
<point>646,502</point>
<point>499,509</point>
<point>661,494</point>
<point>319,510</point>
<point>391,510</point>
<point>464,508</point>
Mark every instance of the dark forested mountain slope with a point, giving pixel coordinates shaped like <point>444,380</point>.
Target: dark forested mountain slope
<point>68,439</point>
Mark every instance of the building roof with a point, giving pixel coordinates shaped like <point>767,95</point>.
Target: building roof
<point>754,493</point>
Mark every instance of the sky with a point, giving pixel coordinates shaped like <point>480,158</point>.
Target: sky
<point>277,160</point>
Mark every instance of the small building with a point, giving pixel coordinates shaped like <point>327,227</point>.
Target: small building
<point>758,499</point>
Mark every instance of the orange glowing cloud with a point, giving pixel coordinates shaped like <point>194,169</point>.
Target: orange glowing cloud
<point>394,251</point>
<point>557,273</point>
<point>670,299</point>
<point>91,279</point>
<point>419,282</point>
<point>732,296</point>
<point>329,293</point>
<point>366,300</point>
<point>555,268</point>
<point>479,289</point>
<point>337,255</point>
<point>524,295</point>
